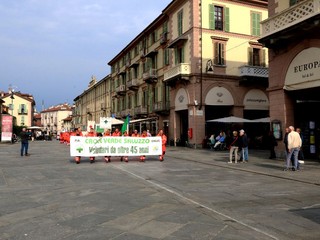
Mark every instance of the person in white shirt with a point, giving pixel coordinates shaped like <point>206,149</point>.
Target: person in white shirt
<point>294,144</point>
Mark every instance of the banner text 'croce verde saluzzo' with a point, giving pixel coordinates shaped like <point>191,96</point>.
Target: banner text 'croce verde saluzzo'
<point>115,146</point>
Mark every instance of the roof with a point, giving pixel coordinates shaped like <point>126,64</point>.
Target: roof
<point>60,107</point>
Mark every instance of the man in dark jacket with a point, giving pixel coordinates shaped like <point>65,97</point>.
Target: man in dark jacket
<point>243,145</point>
<point>24,135</point>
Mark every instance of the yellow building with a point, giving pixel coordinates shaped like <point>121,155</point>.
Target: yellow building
<point>21,107</point>
<point>292,35</point>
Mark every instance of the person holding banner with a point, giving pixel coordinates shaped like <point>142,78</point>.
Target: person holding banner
<point>125,134</point>
<point>164,142</point>
<point>117,133</point>
<point>135,134</point>
<point>91,133</point>
<point>77,132</point>
<point>144,134</point>
<point>107,133</point>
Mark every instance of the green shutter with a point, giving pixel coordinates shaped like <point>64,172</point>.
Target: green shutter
<point>263,60</point>
<point>226,20</point>
<point>176,56</point>
<point>182,55</point>
<point>216,53</point>
<point>211,16</point>
<point>255,18</point>
<point>222,54</point>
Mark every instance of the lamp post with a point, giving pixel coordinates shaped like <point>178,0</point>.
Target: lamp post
<point>11,92</point>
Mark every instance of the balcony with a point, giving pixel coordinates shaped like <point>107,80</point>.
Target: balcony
<point>303,17</point>
<point>103,107</point>
<point>121,90</point>
<point>150,76</point>
<point>254,71</point>
<point>22,111</point>
<point>179,72</point>
<point>164,38</point>
<point>254,76</point>
<point>140,110</point>
<point>162,108</point>
<point>133,84</point>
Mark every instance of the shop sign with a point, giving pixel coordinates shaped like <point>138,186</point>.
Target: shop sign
<point>6,134</point>
<point>304,70</point>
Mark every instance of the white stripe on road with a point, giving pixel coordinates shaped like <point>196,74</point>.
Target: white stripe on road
<point>163,187</point>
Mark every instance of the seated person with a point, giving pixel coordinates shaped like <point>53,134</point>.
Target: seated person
<point>211,141</point>
<point>219,139</point>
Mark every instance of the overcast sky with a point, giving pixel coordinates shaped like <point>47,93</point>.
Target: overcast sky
<point>51,48</point>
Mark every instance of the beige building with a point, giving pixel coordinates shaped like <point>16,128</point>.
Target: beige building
<point>21,107</point>
<point>93,103</point>
<point>292,34</point>
<point>197,61</point>
<point>52,119</point>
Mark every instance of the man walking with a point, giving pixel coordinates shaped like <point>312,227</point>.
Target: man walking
<point>24,135</point>
<point>294,144</point>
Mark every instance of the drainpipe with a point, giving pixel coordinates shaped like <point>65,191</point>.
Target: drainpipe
<point>200,5</point>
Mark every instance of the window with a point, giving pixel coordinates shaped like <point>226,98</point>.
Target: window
<point>255,24</point>
<point>179,55</point>
<point>293,2</point>
<point>144,98</point>
<point>219,53</point>
<point>180,23</point>
<point>166,57</point>
<point>219,18</point>
<point>257,57</point>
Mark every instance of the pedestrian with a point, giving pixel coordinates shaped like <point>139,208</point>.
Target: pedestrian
<point>294,144</point>
<point>243,145</point>
<point>91,133</point>
<point>285,141</point>
<point>233,147</point>
<point>24,136</point>
<point>164,143</point>
<point>271,143</point>
<point>300,155</point>
<point>148,133</point>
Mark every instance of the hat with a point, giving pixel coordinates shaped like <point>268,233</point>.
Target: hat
<point>241,131</point>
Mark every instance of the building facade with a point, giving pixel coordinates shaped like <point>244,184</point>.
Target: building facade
<point>93,103</point>
<point>292,35</point>
<point>21,107</point>
<point>52,119</point>
<point>199,60</point>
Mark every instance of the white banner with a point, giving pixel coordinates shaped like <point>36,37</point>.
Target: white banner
<point>115,146</point>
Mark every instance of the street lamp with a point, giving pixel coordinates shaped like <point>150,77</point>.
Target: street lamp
<point>11,92</point>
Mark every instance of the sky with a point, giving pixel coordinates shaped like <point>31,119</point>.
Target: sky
<point>51,48</point>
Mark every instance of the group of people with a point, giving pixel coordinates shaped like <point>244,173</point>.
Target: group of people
<point>117,133</point>
<point>237,143</point>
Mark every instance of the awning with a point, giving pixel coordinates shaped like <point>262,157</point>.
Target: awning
<point>143,120</point>
<point>230,119</point>
<point>262,120</point>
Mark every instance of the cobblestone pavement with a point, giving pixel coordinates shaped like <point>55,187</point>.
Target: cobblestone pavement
<point>193,194</point>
